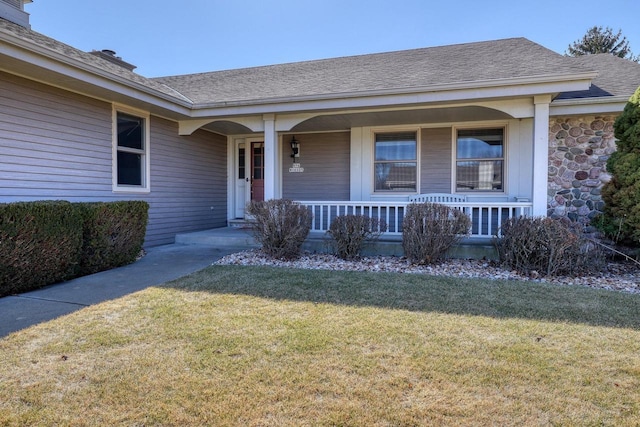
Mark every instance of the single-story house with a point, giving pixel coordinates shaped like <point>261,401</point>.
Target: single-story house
<point>504,127</point>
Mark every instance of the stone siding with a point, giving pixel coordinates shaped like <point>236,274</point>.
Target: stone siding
<point>578,151</point>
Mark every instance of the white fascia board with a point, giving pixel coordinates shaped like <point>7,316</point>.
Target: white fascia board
<point>370,99</point>
<point>517,108</point>
<point>600,105</point>
<point>555,83</point>
<point>74,70</point>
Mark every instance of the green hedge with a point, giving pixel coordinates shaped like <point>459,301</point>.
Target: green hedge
<point>46,242</point>
<point>113,234</point>
<point>40,243</point>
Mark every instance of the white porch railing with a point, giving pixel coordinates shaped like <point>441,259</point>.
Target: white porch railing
<point>486,217</point>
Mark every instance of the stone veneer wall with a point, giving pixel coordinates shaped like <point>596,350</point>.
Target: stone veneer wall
<point>578,151</point>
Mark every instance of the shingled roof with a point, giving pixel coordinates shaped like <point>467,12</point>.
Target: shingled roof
<point>609,82</point>
<point>434,68</point>
<point>35,39</point>
<point>419,68</point>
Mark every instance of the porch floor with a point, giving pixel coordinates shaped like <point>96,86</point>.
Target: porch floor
<point>319,242</point>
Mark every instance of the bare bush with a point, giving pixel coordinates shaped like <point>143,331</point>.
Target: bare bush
<point>546,247</point>
<point>349,232</point>
<point>429,230</point>
<point>281,226</point>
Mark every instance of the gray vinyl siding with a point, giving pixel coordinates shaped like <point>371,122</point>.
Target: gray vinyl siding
<point>57,145</point>
<point>325,159</point>
<point>435,160</point>
<point>188,179</point>
<point>53,144</point>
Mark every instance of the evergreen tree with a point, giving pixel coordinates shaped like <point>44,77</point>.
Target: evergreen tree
<point>599,40</point>
<point>621,195</point>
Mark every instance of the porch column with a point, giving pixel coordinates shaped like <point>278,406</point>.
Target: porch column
<point>270,142</point>
<point>355,165</point>
<point>540,154</point>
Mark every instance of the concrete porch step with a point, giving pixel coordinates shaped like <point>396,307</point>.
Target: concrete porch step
<point>319,242</point>
<point>219,237</point>
<point>238,223</point>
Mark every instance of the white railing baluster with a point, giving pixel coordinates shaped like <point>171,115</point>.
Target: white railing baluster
<point>325,212</point>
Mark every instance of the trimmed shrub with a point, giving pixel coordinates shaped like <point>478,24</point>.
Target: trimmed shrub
<point>39,244</point>
<point>429,230</point>
<point>546,247</point>
<point>621,217</point>
<point>49,241</point>
<point>349,232</point>
<point>113,234</point>
<point>281,226</point>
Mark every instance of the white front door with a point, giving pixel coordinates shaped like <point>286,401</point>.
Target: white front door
<point>242,179</point>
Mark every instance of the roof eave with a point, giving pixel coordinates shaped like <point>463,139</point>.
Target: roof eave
<point>503,88</point>
<point>55,62</point>
<point>78,71</point>
<point>593,105</point>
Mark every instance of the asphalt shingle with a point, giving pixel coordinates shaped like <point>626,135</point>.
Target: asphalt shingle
<point>401,70</point>
<point>54,46</point>
<point>616,76</point>
<point>433,67</point>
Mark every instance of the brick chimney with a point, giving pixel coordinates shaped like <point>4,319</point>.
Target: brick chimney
<point>13,11</point>
<point>110,56</point>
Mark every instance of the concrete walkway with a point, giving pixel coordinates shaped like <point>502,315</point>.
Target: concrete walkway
<point>161,264</point>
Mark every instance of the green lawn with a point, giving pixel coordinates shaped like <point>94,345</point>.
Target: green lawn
<point>259,346</point>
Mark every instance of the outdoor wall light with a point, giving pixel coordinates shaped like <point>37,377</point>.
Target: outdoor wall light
<point>295,148</point>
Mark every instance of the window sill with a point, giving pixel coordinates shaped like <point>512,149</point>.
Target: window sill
<point>134,190</point>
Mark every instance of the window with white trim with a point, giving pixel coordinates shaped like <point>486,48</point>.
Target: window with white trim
<point>131,150</point>
<point>480,160</point>
<point>395,162</point>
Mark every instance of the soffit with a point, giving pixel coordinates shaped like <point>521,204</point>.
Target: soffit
<point>345,121</point>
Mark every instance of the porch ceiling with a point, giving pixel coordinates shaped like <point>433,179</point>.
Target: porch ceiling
<point>345,121</point>
<point>226,127</point>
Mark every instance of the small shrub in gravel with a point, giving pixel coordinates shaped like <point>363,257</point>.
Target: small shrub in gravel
<point>429,230</point>
<point>547,247</point>
<point>349,232</point>
<point>281,226</point>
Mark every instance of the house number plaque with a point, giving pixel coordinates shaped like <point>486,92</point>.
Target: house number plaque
<point>296,168</point>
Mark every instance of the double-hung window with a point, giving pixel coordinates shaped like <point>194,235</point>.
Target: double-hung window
<point>395,162</point>
<point>480,160</point>
<point>131,152</point>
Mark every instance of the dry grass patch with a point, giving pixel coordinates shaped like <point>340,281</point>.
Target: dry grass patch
<point>264,346</point>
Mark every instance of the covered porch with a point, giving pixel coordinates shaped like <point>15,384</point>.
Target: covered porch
<point>490,156</point>
<point>365,134</point>
<point>377,162</point>
<point>372,152</point>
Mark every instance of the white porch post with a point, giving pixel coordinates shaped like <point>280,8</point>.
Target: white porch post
<point>540,154</point>
<point>270,140</point>
<point>355,165</point>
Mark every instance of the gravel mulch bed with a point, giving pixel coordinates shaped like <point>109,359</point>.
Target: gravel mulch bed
<point>617,276</point>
